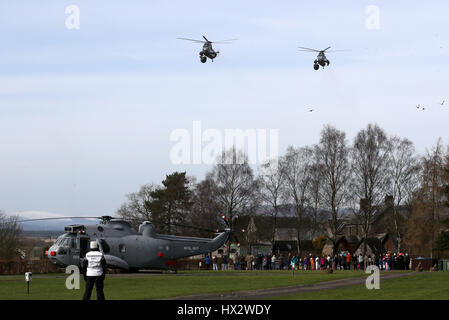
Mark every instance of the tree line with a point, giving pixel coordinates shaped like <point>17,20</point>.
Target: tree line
<point>322,184</point>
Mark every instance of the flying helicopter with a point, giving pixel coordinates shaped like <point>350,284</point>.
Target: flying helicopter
<point>126,249</point>
<point>321,59</point>
<point>208,51</point>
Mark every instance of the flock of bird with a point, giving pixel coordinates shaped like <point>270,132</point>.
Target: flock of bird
<point>419,107</point>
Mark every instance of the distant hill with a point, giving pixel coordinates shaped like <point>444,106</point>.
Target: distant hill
<point>54,225</point>
<point>42,233</point>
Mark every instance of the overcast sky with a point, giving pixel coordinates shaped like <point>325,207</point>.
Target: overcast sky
<point>86,114</point>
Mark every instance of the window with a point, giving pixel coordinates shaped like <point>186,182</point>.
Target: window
<point>67,242</point>
<point>60,240</point>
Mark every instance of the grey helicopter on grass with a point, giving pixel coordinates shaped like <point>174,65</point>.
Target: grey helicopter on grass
<point>321,59</point>
<point>208,51</point>
<point>127,249</point>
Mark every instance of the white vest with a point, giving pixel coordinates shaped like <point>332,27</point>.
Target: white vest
<point>94,268</point>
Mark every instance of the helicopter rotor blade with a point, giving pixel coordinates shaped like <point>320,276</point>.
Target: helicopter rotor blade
<point>308,49</point>
<point>225,41</point>
<point>194,40</point>
<point>196,228</point>
<point>206,39</point>
<point>58,218</point>
<point>344,50</point>
<point>326,49</point>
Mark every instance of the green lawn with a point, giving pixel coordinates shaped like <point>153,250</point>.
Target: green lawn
<point>427,285</point>
<point>418,286</point>
<point>153,286</point>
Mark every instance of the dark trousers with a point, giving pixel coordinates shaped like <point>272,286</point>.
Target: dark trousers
<point>90,282</point>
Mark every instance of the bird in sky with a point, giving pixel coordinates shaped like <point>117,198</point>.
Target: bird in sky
<point>419,107</point>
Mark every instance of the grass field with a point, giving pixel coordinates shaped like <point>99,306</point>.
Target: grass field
<point>159,286</point>
<point>417,286</point>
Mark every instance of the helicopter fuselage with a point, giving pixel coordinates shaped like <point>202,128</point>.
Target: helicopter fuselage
<point>127,249</point>
<point>208,52</point>
<point>321,60</point>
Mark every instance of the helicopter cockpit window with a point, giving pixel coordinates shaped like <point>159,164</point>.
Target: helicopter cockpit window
<point>60,240</point>
<point>67,242</point>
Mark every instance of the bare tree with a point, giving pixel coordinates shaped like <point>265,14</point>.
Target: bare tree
<point>10,231</point>
<point>370,160</point>
<point>137,208</point>
<point>403,171</point>
<point>432,191</point>
<point>296,165</point>
<point>332,154</point>
<point>314,192</point>
<point>205,208</point>
<point>234,185</point>
<point>271,185</point>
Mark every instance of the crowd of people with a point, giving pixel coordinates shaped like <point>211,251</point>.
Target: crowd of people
<point>342,261</point>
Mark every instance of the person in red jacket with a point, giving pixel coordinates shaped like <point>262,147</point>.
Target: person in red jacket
<point>348,260</point>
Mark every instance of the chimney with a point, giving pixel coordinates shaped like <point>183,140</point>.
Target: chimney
<point>389,201</point>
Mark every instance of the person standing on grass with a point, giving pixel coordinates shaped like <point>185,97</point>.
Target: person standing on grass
<point>407,261</point>
<point>94,270</point>
<point>336,264</point>
<point>207,260</point>
<point>215,263</point>
<point>294,262</point>
<point>360,261</point>
<point>224,263</point>
<point>348,261</point>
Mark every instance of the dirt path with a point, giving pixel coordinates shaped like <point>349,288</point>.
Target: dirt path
<point>268,293</point>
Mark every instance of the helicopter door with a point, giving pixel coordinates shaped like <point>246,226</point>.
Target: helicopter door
<point>84,246</point>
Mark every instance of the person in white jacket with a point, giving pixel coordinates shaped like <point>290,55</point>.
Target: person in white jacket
<point>94,269</point>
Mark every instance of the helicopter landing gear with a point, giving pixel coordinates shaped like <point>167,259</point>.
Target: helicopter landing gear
<point>203,59</point>
<point>316,66</point>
